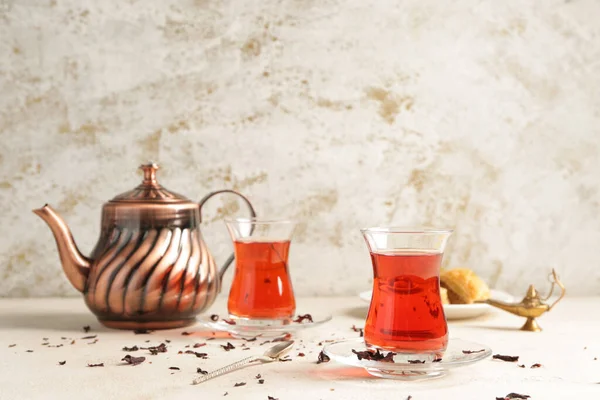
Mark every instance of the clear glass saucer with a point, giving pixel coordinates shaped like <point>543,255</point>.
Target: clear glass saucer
<point>458,354</point>
<point>250,328</point>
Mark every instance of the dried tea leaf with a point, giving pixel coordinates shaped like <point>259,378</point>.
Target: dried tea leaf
<point>201,371</point>
<point>62,362</point>
<point>240,384</point>
<point>90,337</point>
<point>133,348</point>
<point>536,365</point>
<point>142,331</point>
<point>96,365</point>
<point>175,368</point>
<point>86,329</point>
<point>196,345</point>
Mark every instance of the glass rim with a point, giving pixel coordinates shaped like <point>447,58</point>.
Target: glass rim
<point>404,230</point>
<point>259,221</point>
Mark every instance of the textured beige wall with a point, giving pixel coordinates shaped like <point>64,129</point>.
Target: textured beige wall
<point>481,116</point>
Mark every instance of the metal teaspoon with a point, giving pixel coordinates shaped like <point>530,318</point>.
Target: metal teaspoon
<point>273,354</point>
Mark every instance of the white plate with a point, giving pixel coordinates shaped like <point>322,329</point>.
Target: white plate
<point>461,311</point>
<point>459,353</point>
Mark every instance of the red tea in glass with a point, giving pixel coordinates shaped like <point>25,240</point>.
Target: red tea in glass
<point>261,287</point>
<point>406,314</point>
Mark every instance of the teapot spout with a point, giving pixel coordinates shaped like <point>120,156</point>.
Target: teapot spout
<point>75,265</point>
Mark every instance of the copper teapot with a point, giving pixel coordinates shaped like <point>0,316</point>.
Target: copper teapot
<point>150,268</point>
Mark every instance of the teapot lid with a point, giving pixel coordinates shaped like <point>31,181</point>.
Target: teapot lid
<point>150,191</point>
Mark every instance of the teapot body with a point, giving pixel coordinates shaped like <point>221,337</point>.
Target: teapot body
<point>150,268</point>
<point>149,273</point>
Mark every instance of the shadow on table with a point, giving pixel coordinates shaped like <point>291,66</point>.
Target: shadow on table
<point>55,321</point>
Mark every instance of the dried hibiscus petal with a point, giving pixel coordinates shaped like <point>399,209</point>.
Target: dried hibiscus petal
<point>514,396</point>
<point>204,356</point>
<point>536,365</point>
<point>323,358</point>
<point>229,321</point>
<point>473,351</point>
<point>301,318</point>
<point>154,350</point>
<point>228,347</point>
<point>505,358</point>
<point>375,355</point>
<point>133,360</point>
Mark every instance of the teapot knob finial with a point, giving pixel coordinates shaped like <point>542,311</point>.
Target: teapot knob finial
<point>149,169</point>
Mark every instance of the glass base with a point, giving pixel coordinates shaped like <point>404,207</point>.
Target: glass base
<point>260,322</point>
<point>408,367</point>
<point>405,375</point>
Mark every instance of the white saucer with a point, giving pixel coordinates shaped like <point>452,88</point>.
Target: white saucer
<point>460,311</point>
<point>453,357</point>
<point>245,328</point>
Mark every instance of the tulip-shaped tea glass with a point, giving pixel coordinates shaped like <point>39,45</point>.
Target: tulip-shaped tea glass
<point>262,288</point>
<point>406,313</point>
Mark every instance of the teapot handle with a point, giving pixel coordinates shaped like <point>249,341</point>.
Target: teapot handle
<point>252,214</point>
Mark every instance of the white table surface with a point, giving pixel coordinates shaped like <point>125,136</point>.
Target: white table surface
<point>567,349</point>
